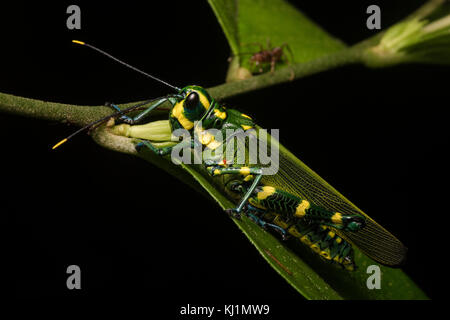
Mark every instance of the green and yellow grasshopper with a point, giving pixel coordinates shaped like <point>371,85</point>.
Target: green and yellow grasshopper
<point>291,200</point>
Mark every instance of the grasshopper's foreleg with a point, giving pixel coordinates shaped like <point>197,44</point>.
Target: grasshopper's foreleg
<point>135,120</point>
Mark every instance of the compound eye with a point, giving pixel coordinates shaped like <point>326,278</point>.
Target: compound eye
<point>192,100</point>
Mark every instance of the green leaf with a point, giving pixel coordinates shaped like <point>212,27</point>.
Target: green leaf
<point>226,13</point>
<point>249,22</point>
<point>283,260</point>
<point>302,269</point>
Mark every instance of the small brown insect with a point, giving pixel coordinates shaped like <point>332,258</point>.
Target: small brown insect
<point>270,55</point>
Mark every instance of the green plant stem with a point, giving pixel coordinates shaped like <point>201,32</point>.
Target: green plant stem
<point>296,71</point>
<point>38,109</point>
<point>82,115</point>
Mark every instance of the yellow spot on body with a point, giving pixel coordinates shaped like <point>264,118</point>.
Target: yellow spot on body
<point>78,42</point>
<point>266,192</point>
<point>59,143</point>
<point>305,240</point>
<point>220,114</point>
<point>293,230</point>
<point>244,171</point>
<point>315,248</point>
<point>331,234</point>
<point>337,218</point>
<point>300,211</point>
<point>216,172</point>
<point>338,240</point>
<point>177,112</point>
<point>325,254</point>
<point>246,116</point>
<point>246,127</point>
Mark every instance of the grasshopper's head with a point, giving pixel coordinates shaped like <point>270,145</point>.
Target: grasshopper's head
<point>191,106</point>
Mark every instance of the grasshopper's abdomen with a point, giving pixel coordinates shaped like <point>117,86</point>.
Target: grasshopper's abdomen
<point>321,239</point>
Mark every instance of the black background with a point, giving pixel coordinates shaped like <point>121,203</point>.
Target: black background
<point>375,135</point>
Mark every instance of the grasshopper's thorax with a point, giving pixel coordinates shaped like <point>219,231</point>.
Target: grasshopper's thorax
<point>195,104</point>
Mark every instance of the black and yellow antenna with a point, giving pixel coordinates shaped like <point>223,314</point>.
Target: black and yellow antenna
<point>126,64</point>
<point>124,111</point>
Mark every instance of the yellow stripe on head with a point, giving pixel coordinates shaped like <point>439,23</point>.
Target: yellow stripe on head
<point>177,112</point>
<point>203,100</point>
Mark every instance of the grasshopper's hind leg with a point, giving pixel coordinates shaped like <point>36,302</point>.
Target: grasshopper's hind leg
<point>250,212</point>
